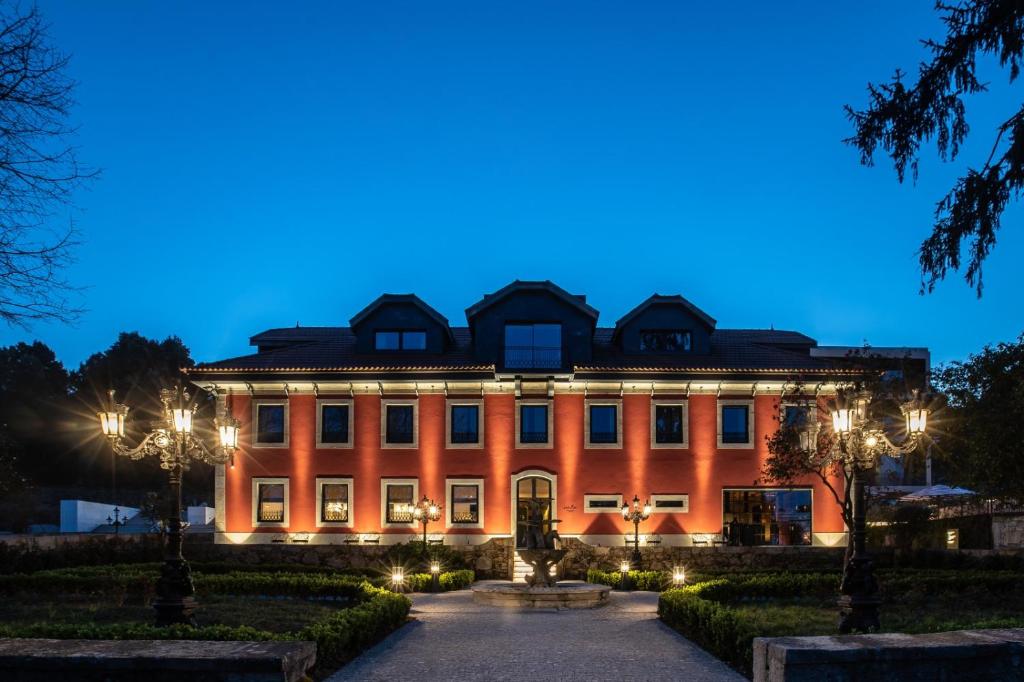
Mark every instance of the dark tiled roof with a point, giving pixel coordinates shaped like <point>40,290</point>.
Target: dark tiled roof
<point>577,301</point>
<point>332,349</point>
<point>412,299</point>
<point>656,299</point>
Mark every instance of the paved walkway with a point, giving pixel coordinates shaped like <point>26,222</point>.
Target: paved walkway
<point>452,638</point>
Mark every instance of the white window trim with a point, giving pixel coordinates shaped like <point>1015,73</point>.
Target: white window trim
<point>550,404</point>
<point>655,445</point>
<point>320,404</point>
<point>320,523</point>
<point>617,404</point>
<point>811,406</point>
<point>751,433</point>
<point>514,496</point>
<point>256,523</point>
<point>587,499</point>
<point>255,426</point>
<point>448,405</point>
<point>670,498</point>
<point>448,483</point>
<point>384,425</point>
<point>384,483</point>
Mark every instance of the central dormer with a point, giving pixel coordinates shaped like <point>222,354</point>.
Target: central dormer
<point>532,328</point>
<point>400,323</point>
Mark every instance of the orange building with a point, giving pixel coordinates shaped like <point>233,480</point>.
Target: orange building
<point>345,429</point>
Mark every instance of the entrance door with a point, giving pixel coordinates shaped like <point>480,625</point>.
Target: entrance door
<point>532,489</point>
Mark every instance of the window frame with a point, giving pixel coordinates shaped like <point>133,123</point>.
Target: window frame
<point>320,482</point>
<point>602,497</point>
<point>533,367</point>
<point>254,427</point>
<point>456,402</point>
<point>401,341</point>
<point>384,404</point>
<point>666,330</point>
<point>550,442</point>
<point>598,402</point>
<point>812,411</point>
<point>255,501</point>
<point>762,489</point>
<point>685,409</point>
<point>449,483</point>
<point>751,433</point>
<point>384,483</point>
<point>670,497</point>
<point>330,402</point>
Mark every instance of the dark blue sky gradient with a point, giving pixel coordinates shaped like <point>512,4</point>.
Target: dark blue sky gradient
<point>272,162</point>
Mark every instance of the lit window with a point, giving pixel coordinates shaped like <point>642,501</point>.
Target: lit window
<point>271,424</point>
<point>533,424</point>
<point>334,502</point>
<point>399,503</point>
<point>668,424</point>
<point>767,517</point>
<point>603,427</point>
<point>270,502</point>
<point>465,504</point>
<point>735,424</point>
<point>400,424</point>
<point>465,424</point>
<point>334,423</point>
<point>665,340</point>
<point>533,346</point>
<point>400,340</point>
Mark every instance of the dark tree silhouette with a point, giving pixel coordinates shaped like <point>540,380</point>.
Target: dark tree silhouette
<point>38,172</point>
<point>900,117</point>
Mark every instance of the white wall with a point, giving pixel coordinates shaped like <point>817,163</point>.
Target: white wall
<point>200,516</point>
<point>80,516</point>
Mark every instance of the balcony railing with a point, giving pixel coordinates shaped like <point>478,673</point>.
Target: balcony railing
<point>533,436</point>
<point>533,357</point>
<point>465,436</point>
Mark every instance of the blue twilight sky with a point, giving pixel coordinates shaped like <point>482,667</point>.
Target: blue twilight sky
<point>267,163</point>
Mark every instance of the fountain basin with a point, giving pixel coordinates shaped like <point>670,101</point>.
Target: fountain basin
<point>564,595</point>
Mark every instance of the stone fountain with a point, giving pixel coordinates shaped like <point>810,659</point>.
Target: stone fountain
<point>542,589</point>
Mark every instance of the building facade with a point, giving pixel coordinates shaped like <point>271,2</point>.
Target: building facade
<point>345,428</point>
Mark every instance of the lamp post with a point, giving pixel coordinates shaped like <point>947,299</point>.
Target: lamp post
<point>636,514</point>
<point>425,512</point>
<point>858,440</point>
<point>116,521</point>
<point>172,440</point>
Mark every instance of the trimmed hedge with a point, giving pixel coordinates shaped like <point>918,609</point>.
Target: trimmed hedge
<point>339,637</point>
<point>653,581</point>
<point>450,580</point>
<point>712,625</point>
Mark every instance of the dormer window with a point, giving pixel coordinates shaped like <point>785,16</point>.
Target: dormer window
<point>400,340</point>
<point>665,340</point>
<point>530,346</point>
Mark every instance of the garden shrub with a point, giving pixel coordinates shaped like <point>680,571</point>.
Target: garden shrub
<point>653,581</point>
<point>411,554</point>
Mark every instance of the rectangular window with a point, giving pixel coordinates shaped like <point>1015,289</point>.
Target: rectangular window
<point>668,424</point>
<point>271,424</point>
<point>530,346</point>
<point>533,424</point>
<point>334,502</point>
<point>400,426</point>
<point>602,504</point>
<point>735,424</point>
<point>400,340</point>
<point>270,502</point>
<point>399,503</point>
<point>795,416</point>
<point>334,424</point>
<point>465,424</point>
<point>767,517</point>
<point>670,504</point>
<point>604,424</point>
<point>465,504</point>
<point>665,340</point>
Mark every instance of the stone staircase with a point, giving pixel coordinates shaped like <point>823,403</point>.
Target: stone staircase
<point>521,569</point>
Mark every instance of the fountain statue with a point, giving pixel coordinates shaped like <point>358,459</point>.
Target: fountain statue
<point>541,552</point>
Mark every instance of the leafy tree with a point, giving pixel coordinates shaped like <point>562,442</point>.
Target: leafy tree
<point>38,171</point>
<point>982,437</point>
<point>901,116</point>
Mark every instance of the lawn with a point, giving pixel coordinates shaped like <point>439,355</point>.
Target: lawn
<point>270,614</point>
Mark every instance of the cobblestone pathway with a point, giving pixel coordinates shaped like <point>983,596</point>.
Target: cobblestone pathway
<point>454,639</point>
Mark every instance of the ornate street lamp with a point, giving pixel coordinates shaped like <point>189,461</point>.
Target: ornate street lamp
<point>116,521</point>
<point>172,440</point>
<point>636,514</point>
<point>859,439</point>
<point>425,512</point>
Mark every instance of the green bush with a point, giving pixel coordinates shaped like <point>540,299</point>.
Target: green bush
<point>653,581</point>
<point>411,554</point>
<point>450,580</point>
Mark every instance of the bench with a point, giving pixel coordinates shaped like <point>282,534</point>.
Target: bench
<point>90,660</point>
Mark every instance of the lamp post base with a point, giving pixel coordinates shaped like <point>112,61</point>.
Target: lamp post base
<point>174,602</point>
<point>859,614</point>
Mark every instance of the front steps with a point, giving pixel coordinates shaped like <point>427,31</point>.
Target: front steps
<point>521,569</point>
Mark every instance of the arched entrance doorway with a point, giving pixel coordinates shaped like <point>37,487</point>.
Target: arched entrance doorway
<point>530,489</point>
